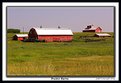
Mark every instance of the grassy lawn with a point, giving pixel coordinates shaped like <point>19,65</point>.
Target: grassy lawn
<point>76,58</point>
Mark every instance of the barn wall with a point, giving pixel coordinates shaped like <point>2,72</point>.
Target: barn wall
<point>20,38</point>
<point>49,38</point>
<point>98,30</point>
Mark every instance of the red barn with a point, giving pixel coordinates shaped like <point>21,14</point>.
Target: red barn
<point>92,28</point>
<point>50,35</point>
<point>20,37</point>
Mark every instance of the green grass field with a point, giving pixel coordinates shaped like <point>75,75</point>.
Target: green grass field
<point>76,58</point>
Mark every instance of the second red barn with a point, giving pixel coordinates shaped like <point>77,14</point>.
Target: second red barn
<point>92,28</point>
<point>50,35</point>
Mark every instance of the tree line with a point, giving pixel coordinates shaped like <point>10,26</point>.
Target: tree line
<point>13,30</point>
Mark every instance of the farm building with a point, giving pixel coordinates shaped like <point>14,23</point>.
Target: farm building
<point>20,37</point>
<point>102,35</point>
<point>92,28</point>
<point>50,34</point>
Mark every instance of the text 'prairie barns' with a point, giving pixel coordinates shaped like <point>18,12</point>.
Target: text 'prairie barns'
<point>92,28</point>
<point>50,35</point>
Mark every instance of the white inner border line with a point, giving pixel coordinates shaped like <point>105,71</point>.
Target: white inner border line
<point>5,4</point>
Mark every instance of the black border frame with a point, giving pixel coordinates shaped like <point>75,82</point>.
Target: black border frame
<point>64,6</point>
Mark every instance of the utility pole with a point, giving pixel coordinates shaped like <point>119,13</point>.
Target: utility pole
<point>59,27</point>
<point>41,26</point>
<point>23,30</point>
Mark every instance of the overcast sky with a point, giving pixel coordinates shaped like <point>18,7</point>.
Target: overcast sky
<point>75,18</point>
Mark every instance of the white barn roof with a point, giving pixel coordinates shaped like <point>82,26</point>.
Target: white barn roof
<point>92,27</point>
<point>22,35</point>
<point>53,31</point>
<point>103,34</point>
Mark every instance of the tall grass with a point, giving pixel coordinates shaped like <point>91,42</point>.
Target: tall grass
<point>76,58</point>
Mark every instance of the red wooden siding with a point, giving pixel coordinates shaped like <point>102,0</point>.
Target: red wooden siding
<point>51,38</point>
<point>98,30</point>
<point>20,38</point>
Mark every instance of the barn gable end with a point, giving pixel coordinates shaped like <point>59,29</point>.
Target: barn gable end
<point>33,33</point>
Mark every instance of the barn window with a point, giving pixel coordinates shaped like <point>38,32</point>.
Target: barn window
<point>88,27</point>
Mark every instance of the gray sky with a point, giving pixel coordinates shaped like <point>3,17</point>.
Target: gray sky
<point>75,18</point>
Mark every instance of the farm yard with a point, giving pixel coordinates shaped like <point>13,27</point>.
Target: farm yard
<point>77,58</point>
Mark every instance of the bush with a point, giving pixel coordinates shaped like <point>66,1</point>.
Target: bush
<point>42,40</point>
<point>13,30</point>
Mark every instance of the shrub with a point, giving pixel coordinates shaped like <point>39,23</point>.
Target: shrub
<point>43,40</point>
